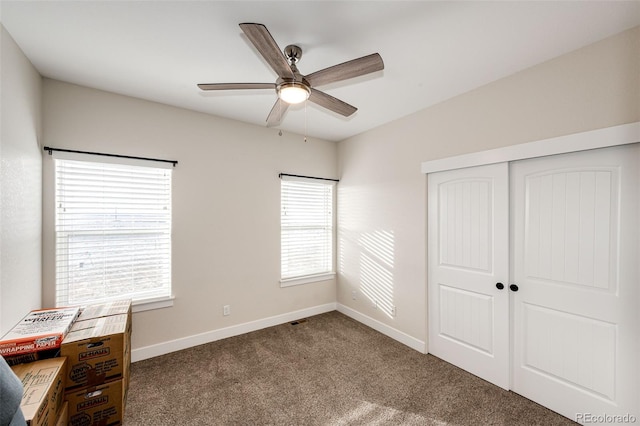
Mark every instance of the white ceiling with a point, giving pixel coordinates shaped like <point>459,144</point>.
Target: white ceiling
<point>160,50</point>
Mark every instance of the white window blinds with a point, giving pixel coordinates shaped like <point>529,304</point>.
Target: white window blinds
<point>113,232</point>
<point>306,227</point>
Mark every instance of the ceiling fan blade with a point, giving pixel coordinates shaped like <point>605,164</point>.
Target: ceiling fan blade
<point>331,103</point>
<point>277,112</point>
<point>268,48</point>
<point>350,69</point>
<point>236,86</point>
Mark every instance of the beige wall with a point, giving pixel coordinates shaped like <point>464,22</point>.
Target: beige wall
<point>382,194</point>
<point>226,204</point>
<point>20,185</point>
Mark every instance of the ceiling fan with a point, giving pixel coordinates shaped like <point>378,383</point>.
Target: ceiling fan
<point>293,87</point>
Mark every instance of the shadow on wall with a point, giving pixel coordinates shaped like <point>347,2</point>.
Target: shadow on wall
<point>371,267</point>
<point>366,258</point>
<point>376,269</point>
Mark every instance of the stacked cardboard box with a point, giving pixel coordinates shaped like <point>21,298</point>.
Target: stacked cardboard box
<point>74,364</point>
<point>43,382</point>
<point>98,349</point>
<point>100,310</point>
<point>97,405</point>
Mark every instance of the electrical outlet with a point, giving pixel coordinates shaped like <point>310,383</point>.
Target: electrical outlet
<point>375,304</point>
<point>354,295</point>
<point>226,310</point>
<point>393,311</point>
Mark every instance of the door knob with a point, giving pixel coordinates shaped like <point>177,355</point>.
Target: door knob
<point>513,287</point>
<point>499,286</point>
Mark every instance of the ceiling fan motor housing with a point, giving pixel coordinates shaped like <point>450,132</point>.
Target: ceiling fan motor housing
<point>293,53</point>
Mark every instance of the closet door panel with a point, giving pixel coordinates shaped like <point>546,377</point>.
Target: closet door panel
<point>575,262</point>
<point>468,255</point>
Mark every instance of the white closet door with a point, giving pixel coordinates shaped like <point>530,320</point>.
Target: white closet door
<point>468,227</point>
<point>575,314</point>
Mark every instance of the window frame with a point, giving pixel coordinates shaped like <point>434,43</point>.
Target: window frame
<point>311,277</point>
<point>145,302</point>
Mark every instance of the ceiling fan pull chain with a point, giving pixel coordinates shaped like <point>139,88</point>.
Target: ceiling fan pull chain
<point>305,121</point>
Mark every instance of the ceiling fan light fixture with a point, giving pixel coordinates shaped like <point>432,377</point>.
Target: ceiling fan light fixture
<point>293,92</point>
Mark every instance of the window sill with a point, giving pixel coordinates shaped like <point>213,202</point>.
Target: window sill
<point>289,282</point>
<point>151,304</point>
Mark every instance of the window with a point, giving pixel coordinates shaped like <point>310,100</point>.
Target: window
<point>306,228</point>
<point>112,231</point>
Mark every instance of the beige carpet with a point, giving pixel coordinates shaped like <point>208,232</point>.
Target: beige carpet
<point>329,370</point>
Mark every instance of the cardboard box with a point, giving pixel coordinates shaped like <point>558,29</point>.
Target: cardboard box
<point>104,324</point>
<point>98,351</point>
<point>63,415</point>
<point>97,405</point>
<point>43,383</point>
<point>99,310</point>
<point>40,330</point>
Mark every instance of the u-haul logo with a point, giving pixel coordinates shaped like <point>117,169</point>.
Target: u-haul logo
<point>96,353</point>
<point>92,403</point>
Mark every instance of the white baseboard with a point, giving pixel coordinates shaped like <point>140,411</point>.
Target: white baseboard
<point>398,335</point>
<point>235,330</point>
